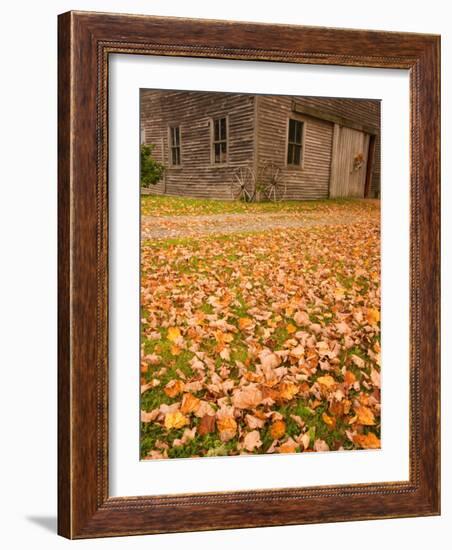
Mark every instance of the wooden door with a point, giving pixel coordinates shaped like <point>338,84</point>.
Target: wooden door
<point>349,162</point>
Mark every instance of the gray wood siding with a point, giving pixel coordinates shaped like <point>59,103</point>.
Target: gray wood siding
<point>365,111</point>
<point>311,179</point>
<point>193,111</point>
<point>257,133</point>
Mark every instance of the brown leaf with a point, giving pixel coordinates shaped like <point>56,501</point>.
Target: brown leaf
<point>252,441</point>
<point>320,446</point>
<point>206,425</point>
<point>253,422</point>
<point>247,398</point>
<point>149,416</point>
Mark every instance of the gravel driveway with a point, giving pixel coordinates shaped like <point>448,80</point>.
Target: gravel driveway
<point>187,226</point>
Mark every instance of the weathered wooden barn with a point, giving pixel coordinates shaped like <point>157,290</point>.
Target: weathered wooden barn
<point>323,147</point>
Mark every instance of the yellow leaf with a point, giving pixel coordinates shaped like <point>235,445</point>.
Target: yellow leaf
<point>329,420</point>
<point>173,334</point>
<point>327,381</point>
<point>287,390</point>
<point>227,428</point>
<point>190,403</point>
<point>291,328</point>
<point>373,316</point>
<point>174,387</point>
<point>175,350</point>
<point>175,420</point>
<point>369,441</point>
<point>365,416</point>
<point>245,322</point>
<point>278,429</point>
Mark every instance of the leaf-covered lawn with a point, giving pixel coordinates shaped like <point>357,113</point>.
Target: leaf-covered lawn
<point>153,205</point>
<point>265,342</point>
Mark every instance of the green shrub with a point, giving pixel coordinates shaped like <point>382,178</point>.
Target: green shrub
<point>151,170</point>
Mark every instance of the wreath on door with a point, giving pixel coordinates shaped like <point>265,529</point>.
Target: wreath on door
<point>358,162</point>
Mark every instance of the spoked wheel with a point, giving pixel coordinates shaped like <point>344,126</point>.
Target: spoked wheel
<point>242,186</point>
<point>274,186</point>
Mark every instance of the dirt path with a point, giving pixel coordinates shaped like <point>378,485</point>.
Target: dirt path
<point>153,227</point>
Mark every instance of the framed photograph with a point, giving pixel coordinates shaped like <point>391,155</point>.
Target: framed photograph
<point>248,275</point>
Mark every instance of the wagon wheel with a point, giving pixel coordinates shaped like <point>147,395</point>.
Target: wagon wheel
<point>274,186</point>
<point>242,186</point>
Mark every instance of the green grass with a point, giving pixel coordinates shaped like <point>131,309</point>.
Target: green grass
<point>185,206</point>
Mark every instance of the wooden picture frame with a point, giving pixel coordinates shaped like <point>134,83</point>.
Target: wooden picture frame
<point>85,42</point>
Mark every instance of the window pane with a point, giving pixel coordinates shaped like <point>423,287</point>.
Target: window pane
<point>173,156</point>
<point>297,154</point>
<point>223,152</point>
<point>290,154</point>
<point>176,135</point>
<point>291,130</point>
<point>298,132</point>
<point>217,152</point>
<point>178,155</point>
<point>216,136</point>
<point>223,128</point>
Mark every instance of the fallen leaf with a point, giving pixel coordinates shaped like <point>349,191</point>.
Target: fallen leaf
<point>320,446</point>
<point>373,316</point>
<point>277,429</point>
<point>247,398</point>
<point>365,416</point>
<point>206,425</point>
<point>301,318</point>
<point>173,334</point>
<point>227,428</point>
<point>149,416</point>
<point>253,422</point>
<point>252,441</point>
<point>175,420</point>
<point>368,441</point>
<point>287,390</point>
<point>289,446</point>
<point>174,388</point>
<point>360,363</point>
<point>190,403</point>
<point>245,322</point>
<point>329,420</point>
<point>327,381</point>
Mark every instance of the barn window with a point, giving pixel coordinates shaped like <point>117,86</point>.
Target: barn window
<point>220,141</point>
<point>294,143</point>
<point>175,145</point>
